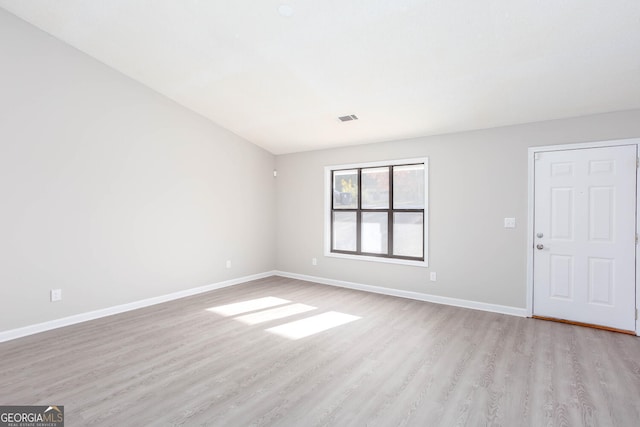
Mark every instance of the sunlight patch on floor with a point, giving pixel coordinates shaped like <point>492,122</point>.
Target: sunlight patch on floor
<point>312,325</point>
<point>247,306</point>
<point>274,313</point>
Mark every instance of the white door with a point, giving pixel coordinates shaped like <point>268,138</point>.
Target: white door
<point>584,236</point>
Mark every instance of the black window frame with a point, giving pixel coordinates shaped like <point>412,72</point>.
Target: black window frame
<point>390,211</point>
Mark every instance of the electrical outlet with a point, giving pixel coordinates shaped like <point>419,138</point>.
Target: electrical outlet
<point>432,276</point>
<point>314,261</point>
<point>56,295</point>
<point>228,263</point>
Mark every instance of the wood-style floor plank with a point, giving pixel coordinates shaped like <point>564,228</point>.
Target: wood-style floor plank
<point>401,363</point>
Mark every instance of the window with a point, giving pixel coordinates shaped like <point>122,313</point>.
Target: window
<point>377,211</point>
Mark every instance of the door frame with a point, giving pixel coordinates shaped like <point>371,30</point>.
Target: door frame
<point>530,209</point>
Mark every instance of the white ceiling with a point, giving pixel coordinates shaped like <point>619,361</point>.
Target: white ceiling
<point>406,68</point>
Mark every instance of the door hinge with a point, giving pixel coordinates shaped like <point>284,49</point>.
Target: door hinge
<point>636,314</point>
<point>636,238</point>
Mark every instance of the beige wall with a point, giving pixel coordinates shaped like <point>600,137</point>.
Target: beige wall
<point>476,180</point>
<point>112,192</point>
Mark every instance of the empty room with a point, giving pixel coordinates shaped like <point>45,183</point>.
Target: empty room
<point>319,213</point>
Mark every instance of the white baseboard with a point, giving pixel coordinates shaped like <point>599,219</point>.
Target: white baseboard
<point>91,315</point>
<point>83,317</point>
<point>494,308</point>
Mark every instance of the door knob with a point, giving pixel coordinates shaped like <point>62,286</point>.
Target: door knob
<point>539,246</point>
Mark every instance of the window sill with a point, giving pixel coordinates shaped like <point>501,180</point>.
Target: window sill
<point>378,259</point>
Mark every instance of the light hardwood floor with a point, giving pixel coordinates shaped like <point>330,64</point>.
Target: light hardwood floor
<point>402,362</point>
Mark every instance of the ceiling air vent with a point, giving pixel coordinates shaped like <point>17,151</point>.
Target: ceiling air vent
<point>347,118</point>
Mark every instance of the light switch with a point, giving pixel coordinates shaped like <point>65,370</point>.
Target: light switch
<point>509,223</point>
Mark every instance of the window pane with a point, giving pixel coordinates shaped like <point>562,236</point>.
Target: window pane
<point>408,234</point>
<point>344,231</point>
<point>374,232</point>
<point>408,187</point>
<point>345,189</point>
<point>375,188</point>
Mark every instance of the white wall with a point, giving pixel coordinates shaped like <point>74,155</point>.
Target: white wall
<point>112,192</point>
<point>476,180</point>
